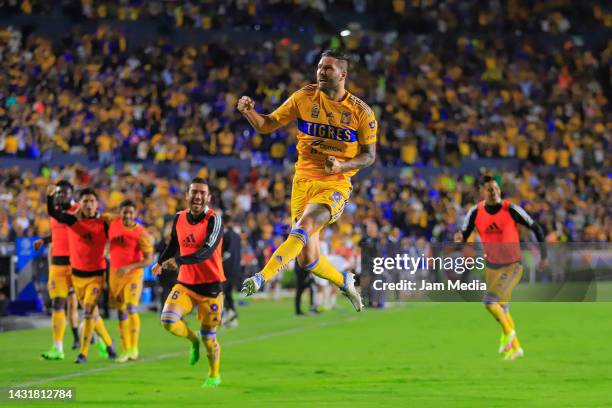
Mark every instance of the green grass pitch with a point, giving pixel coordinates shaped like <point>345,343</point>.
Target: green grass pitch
<point>415,354</point>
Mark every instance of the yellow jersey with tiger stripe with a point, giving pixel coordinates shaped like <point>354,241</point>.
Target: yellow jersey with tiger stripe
<point>326,128</point>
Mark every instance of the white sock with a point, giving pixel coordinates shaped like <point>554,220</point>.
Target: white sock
<point>59,345</point>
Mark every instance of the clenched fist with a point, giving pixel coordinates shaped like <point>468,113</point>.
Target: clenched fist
<point>245,104</point>
<point>38,243</point>
<point>51,190</point>
<point>157,269</point>
<point>332,165</point>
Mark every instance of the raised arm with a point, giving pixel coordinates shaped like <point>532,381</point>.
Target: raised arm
<point>261,123</point>
<point>268,123</point>
<point>60,216</point>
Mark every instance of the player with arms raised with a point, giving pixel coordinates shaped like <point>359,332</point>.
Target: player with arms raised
<point>60,277</point>
<point>336,138</point>
<point>87,236</point>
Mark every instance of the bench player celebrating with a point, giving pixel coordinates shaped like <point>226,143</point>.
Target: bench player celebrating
<point>195,249</point>
<point>130,251</point>
<point>87,236</point>
<point>60,279</point>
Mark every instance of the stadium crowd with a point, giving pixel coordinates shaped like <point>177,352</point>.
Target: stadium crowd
<point>570,206</point>
<point>440,98</point>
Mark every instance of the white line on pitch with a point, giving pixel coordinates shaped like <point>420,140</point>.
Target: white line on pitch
<point>178,353</point>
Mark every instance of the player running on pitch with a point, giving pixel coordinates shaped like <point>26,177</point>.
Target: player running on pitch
<point>130,251</point>
<point>336,138</point>
<point>87,235</point>
<point>496,221</point>
<point>60,277</point>
<point>195,249</point>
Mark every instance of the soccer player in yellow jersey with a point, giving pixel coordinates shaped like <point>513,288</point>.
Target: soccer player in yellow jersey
<point>336,138</point>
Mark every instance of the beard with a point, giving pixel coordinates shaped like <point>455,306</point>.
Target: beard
<point>328,85</point>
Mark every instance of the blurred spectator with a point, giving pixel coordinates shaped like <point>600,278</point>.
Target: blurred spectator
<point>488,82</point>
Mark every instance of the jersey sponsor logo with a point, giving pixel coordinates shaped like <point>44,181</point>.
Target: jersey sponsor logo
<point>327,131</point>
<point>346,118</point>
<point>320,145</point>
<point>88,237</point>
<point>493,229</point>
<point>189,241</point>
<point>372,124</point>
<point>314,111</point>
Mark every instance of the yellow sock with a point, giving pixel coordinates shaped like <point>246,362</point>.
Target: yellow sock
<point>498,313</point>
<point>515,342</point>
<point>324,269</point>
<point>88,329</point>
<point>287,251</point>
<point>213,352</point>
<point>58,323</point>
<point>506,307</point>
<point>134,335</point>
<point>102,332</point>
<point>124,330</point>
<point>510,320</point>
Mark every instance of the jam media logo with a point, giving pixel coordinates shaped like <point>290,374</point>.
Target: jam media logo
<point>493,229</point>
<point>346,118</point>
<point>314,111</point>
<point>189,241</point>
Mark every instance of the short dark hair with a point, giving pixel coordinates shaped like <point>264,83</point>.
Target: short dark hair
<point>66,184</point>
<point>87,191</point>
<point>127,203</point>
<point>339,55</point>
<point>485,178</point>
<point>198,180</point>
